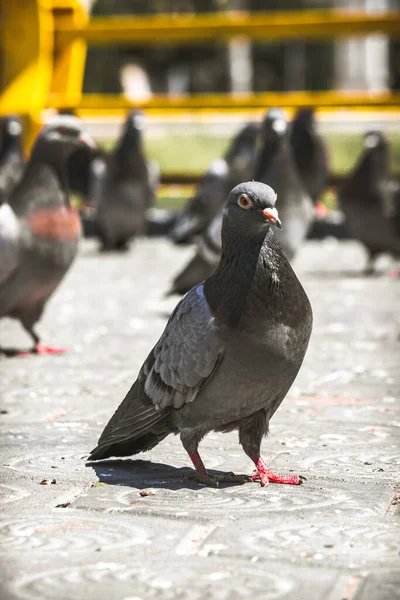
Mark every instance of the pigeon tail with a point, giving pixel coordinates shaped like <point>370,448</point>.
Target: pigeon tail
<point>135,427</point>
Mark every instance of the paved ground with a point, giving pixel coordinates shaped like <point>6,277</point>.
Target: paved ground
<point>134,530</point>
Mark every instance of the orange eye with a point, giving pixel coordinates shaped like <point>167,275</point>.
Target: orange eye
<point>244,201</point>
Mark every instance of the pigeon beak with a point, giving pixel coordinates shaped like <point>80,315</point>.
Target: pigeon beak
<point>86,139</point>
<point>272,215</point>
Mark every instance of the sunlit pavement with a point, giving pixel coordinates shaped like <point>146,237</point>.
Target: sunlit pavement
<point>138,529</point>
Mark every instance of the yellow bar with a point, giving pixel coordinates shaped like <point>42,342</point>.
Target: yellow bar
<point>26,45</point>
<point>100,104</point>
<point>69,57</point>
<point>191,28</point>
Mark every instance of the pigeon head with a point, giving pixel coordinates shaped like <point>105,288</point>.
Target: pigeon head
<point>137,119</point>
<point>250,209</point>
<point>10,133</point>
<point>59,140</point>
<point>12,126</point>
<point>67,131</point>
<point>374,139</point>
<point>275,124</point>
<point>376,152</point>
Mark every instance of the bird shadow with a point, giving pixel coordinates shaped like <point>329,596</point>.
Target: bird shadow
<point>142,474</point>
<point>11,352</point>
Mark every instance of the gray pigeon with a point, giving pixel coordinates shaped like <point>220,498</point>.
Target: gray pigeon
<point>370,198</point>
<point>276,167</point>
<point>126,188</point>
<point>11,155</point>
<point>210,194</point>
<point>310,153</point>
<point>39,231</point>
<point>204,261</point>
<point>230,351</point>
<point>223,174</point>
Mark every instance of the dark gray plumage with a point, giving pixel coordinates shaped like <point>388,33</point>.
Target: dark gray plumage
<point>230,351</point>
<point>11,155</point>
<point>370,199</point>
<point>276,167</point>
<point>126,190</point>
<point>39,231</point>
<point>309,153</point>
<point>223,174</point>
<point>206,257</point>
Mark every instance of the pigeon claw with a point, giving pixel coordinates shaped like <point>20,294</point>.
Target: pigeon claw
<point>269,477</point>
<point>265,476</point>
<point>40,348</point>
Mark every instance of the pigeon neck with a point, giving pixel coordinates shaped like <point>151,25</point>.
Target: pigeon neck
<point>373,167</point>
<point>303,143</point>
<point>270,150</point>
<point>247,269</point>
<point>128,153</point>
<point>56,156</point>
<point>11,145</point>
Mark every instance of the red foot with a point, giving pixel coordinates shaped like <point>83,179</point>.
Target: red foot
<point>321,209</point>
<point>266,476</point>
<point>394,274</point>
<point>41,349</point>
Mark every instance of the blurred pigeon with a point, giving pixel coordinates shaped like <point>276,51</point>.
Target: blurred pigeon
<point>309,153</point>
<point>229,353</point>
<point>204,261</point>
<point>276,168</point>
<point>370,199</point>
<point>241,154</point>
<point>11,156</point>
<point>39,231</point>
<point>208,200</point>
<point>160,221</point>
<point>126,192</point>
<point>223,173</point>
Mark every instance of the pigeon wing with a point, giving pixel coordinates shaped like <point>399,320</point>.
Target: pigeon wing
<point>9,241</point>
<point>183,360</point>
<point>186,356</point>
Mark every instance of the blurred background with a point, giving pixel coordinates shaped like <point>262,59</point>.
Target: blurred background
<point>200,69</point>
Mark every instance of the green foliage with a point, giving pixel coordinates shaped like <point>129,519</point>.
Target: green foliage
<point>191,154</point>
<point>179,153</point>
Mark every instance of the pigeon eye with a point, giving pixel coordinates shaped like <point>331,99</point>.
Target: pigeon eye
<point>244,201</point>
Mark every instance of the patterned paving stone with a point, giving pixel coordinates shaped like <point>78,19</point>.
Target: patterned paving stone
<point>140,529</point>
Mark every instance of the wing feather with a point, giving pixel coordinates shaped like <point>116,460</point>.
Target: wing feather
<point>9,241</point>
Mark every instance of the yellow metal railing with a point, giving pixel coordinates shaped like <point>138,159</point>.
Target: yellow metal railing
<point>99,105</point>
<point>192,28</point>
<point>43,45</point>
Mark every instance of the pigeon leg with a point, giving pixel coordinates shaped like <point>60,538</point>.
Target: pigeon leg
<point>265,475</point>
<point>190,439</point>
<point>251,432</point>
<point>39,347</point>
<point>202,476</point>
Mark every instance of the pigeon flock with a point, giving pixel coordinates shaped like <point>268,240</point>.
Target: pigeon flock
<point>234,344</point>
